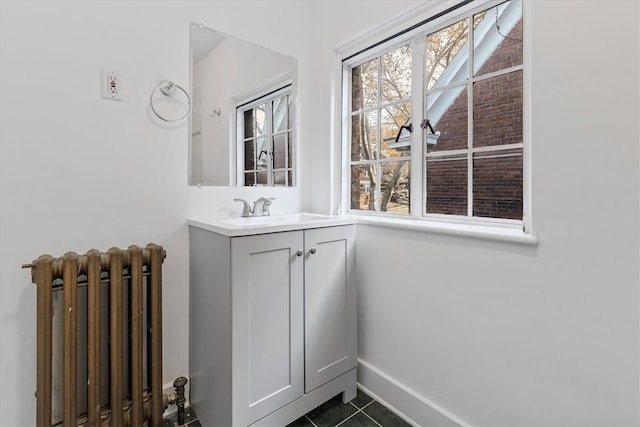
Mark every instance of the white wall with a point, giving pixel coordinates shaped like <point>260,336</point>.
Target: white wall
<point>499,334</point>
<point>81,172</point>
<point>494,333</point>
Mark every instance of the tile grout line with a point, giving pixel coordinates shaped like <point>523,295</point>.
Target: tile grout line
<point>372,419</point>
<point>367,415</point>
<point>349,417</point>
<point>368,404</point>
<point>358,410</point>
<point>311,421</point>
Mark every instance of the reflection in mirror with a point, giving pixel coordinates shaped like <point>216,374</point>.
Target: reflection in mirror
<point>242,129</point>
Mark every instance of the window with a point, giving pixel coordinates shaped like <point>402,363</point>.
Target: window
<point>265,140</point>
<point>381,105</point>
<point>459,154</point>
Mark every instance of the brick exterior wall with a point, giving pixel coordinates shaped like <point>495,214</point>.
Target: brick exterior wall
<point>497,185</point>
<point>447,186</point>
<point>497,120</point>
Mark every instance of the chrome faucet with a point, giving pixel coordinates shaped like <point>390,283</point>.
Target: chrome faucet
<point>260,207</point>
<point>246,209</point>
<point>264,204</point>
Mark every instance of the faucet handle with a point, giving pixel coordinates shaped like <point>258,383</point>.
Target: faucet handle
<point>263,203</point>
<point>265,206</point>
<point>246,209</point>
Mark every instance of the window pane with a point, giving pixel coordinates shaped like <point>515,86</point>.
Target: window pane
<point>260,117</point>
<point>446,59</point>
<point>268,139</point>
<point>448,114</point>
<point>363,184</point>
<point>391,119</point>
<point>364,85</point>
<point>280,151</point>
<point>262,150</point>
<point>395,75</point>
<point>394,187</point>
<point>497,184</point>
<point>364,136</point>
<point>280,114</point>
<point>279,178</point>
<point>497,36</point>
<point>248,123</point>
<point>261,178</point>
<point>249,155</point>
<point>447,185</point>
<point>497,110</point>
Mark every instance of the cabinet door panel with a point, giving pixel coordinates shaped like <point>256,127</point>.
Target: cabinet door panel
<point>330,315</point>
<point>267,293</point>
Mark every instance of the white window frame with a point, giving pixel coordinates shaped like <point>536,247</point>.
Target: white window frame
<point>278,86</point>
<point>379,161</point>
<point>358,50</point>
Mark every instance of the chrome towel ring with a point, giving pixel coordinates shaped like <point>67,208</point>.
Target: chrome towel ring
<point>168,88</point>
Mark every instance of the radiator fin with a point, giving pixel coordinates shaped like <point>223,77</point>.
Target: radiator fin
<point>134,279</point>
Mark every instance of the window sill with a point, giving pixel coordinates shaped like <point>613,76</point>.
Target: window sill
<point>512,235</point>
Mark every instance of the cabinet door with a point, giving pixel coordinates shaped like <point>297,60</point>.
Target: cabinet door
<point>267,315</point>
<point>330,304</point>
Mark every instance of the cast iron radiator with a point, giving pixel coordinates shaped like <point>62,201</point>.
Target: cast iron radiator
<point>112,301</point>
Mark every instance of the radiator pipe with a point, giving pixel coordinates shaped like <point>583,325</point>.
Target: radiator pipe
<point>179,384</point>
<point>177,398</point>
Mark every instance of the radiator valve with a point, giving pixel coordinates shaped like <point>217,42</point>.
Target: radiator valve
<point>177,398</point>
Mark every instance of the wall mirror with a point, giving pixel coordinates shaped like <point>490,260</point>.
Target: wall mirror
<point>242,126</point>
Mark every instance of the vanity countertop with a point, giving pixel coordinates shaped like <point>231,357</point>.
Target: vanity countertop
<point>245,226</point>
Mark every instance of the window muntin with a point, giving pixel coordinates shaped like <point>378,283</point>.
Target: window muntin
<point>266,140</point>
<point>380,107</point>
<point>444,60</point>
<point>472,161</point>
<point>478,119</point>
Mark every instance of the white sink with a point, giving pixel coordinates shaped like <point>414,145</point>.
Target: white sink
<point>243,226</point>
<point>259,221</point>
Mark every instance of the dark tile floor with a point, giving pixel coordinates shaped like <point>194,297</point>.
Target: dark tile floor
<point>190,419</point>
<point>363,411</point>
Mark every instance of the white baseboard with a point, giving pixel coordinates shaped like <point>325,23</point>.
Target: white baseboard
<point>406,403</point>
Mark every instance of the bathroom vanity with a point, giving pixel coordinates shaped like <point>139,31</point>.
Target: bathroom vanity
<point>272,317</point>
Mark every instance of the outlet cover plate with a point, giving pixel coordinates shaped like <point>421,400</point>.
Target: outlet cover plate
<point>112,85</point>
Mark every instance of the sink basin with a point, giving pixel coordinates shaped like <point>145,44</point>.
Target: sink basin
<point>259,221</point>
<point>243,226</point>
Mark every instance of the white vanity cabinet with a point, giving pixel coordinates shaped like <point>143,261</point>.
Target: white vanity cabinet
<point>272,323</point>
